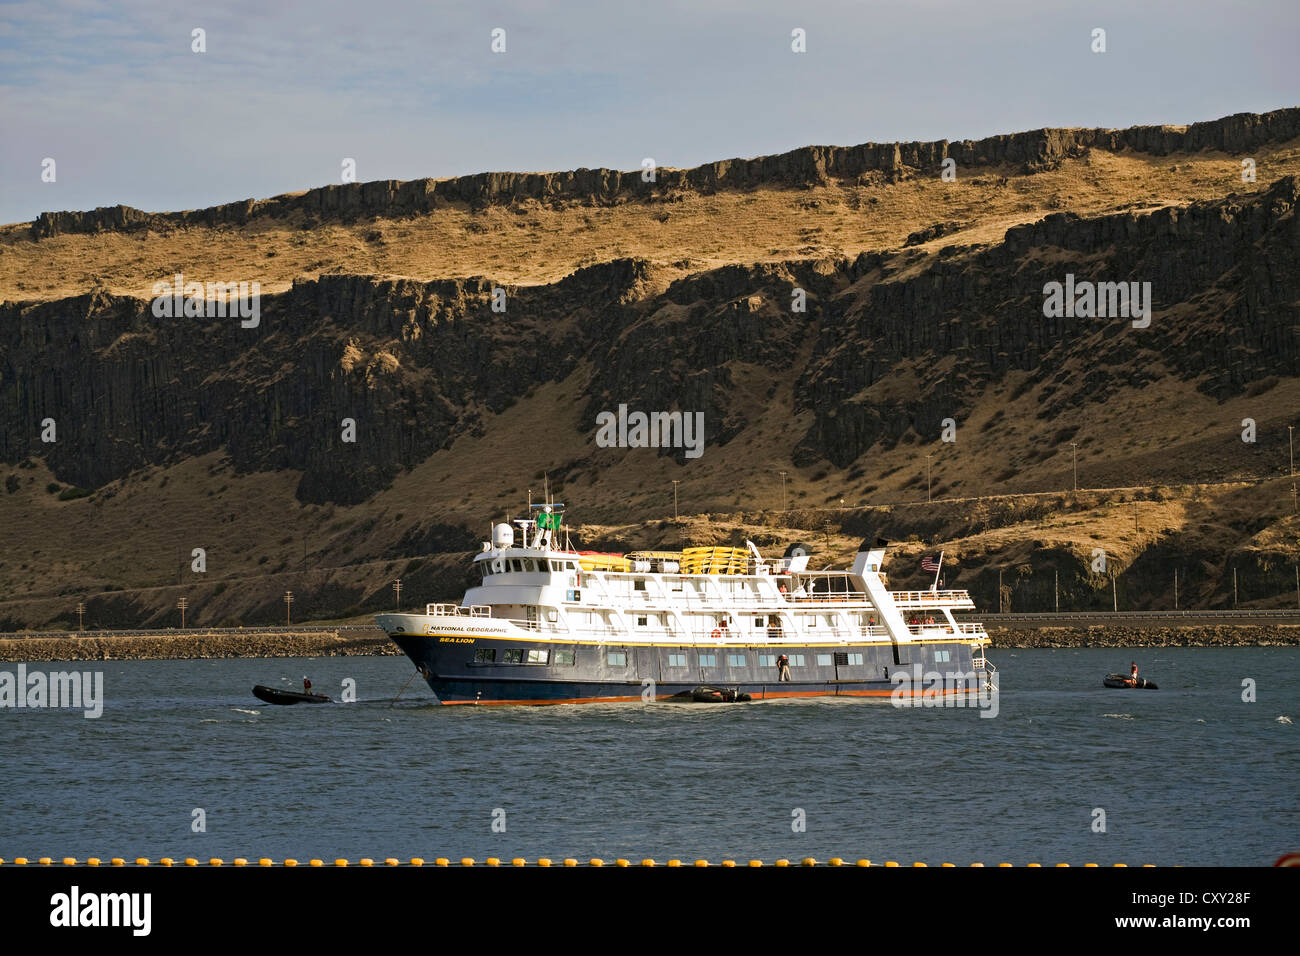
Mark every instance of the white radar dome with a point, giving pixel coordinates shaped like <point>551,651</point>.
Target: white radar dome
<point>503,536</point>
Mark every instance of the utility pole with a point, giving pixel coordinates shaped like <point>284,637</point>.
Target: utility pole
<point>1294,507</point>
<point>675,480</point>
<point>927,478</point>
<point>397,588</point>
<point>182,604</point>
<point>1001,599</point>
<point>783,506</point>
<point>1074,448</point>
<point>81,615</point>
<point>1114,594</point>
<point>1135,518</point>
<point>1175,589</point>
<point>1297,585</point>
<point>1056,588</point>
<point>1234,588</point>
<point>288,603</point>
<point>1290,440</point>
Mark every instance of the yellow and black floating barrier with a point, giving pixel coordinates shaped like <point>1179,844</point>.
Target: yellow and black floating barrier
<point>468,861</point>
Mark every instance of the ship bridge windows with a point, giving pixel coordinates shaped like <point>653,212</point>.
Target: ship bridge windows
<point>676,660</point>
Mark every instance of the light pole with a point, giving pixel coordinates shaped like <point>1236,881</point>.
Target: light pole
<point>288,603</point>
<point>1290,440</point>
<point>182,604</point>
<point>1074,448</point>
<point>783,507</point>
<point>81,615</point>
<point>927,478</point>
<point>397,589</point>
<point>675,480</point>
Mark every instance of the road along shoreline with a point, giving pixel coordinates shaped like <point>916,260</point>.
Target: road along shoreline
<point>358,641</point>
<point>124,646</point>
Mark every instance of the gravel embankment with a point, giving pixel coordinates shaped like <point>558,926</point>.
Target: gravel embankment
<point>193,645</point>
<point>1204,635</point>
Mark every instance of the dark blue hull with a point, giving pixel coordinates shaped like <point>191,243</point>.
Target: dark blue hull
<point>457,672</point>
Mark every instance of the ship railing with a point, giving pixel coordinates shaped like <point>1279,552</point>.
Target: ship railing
<point>971,629</point>
<point>930,598</point>
<point>921,630</point>
<point>825,597</point>
<point>455,610</point>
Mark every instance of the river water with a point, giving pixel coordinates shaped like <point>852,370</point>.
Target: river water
<point>1189,774</point>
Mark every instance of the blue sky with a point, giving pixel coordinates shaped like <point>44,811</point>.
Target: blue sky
<point>289,88</point>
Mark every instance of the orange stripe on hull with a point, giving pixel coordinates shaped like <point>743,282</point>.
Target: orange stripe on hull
<point>760,695</point>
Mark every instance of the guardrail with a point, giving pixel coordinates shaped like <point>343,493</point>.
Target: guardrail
<point>192,631</point>
<point>1065,616</point>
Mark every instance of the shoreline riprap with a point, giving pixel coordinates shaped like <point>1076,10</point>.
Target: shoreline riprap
<point>289,643</point>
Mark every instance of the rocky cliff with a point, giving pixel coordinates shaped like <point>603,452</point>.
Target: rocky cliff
<point>1028,151</point>
<point>417,364</point>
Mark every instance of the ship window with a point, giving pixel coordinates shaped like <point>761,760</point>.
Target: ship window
<point>942,656</point>
<point>641,621</point>
<point>841,659</point>
<point>760,621</point>
<point>618,658</point>
<point>564,657</point>
<point>638,584</point>
<point>812,620</point>
<point>708,660</point>
<point>766,660</point>
<point>823,660</point>
<point>514,655</point>
<point>855,659</point>
<point>676,660</point>
<point>539,657</point>
<point>735,660</point>
<point>485,655</point>
<point>552,615</point>
<point>796,660</point>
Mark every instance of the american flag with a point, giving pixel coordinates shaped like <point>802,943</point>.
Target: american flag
<point>929,564</point>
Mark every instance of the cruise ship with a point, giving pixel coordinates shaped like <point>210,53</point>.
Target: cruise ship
<point>546,624</point>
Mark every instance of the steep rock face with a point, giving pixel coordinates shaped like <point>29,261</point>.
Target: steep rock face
<point>413,364</point>
<point>1225,287</point>
<point>890,343</point>
<point>1035,149</point>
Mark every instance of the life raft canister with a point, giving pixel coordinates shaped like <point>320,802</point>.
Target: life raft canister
<point>716,635</point>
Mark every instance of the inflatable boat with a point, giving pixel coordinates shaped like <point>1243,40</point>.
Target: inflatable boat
<point>1119,680</point>
<point>273,696</point>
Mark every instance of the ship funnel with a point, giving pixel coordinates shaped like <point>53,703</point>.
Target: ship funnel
<point>503,536</point>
